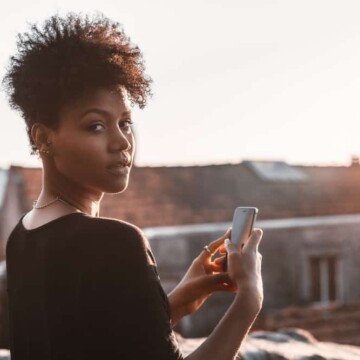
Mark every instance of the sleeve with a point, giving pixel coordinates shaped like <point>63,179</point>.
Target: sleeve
<point>123,307</point>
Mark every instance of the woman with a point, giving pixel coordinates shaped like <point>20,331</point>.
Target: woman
<point>81,286</point>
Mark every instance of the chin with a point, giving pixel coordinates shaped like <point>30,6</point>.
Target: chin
<point>116,188</point>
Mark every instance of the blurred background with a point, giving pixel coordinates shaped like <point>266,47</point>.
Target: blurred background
<point>233,79</point>
<point>256,103</point>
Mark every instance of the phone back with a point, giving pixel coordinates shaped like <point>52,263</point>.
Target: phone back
<point>242,225</point>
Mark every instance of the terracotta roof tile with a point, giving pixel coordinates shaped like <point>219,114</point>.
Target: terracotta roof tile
<point>159,196</point>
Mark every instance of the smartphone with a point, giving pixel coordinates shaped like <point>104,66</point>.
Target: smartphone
<point>242,226</point>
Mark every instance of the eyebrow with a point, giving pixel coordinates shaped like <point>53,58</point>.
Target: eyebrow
<point>102,112</point>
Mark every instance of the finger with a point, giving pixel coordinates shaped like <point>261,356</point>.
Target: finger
<point>221,282</point>
<point>213,246</point>
<point>254,240</point>
<point>215,265</point>
<point>225,287</point>
<point>222,249</point>
<point>259,263</point>
<point>214,268</point>
<point>220,260</point>
<point>219,278</point>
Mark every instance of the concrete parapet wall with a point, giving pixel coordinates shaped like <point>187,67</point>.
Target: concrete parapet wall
<point>287,246</point>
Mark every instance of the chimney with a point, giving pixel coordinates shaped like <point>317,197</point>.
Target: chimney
<point>355,161</point>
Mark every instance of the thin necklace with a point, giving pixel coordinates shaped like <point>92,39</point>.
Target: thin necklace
<point>51,202</point>
<point>42,206</point>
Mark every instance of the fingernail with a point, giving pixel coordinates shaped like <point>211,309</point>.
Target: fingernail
<point>227,242</point>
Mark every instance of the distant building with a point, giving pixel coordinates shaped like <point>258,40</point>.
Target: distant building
<point>306,261</point>
<point>310,216</point>
<point>167,196</point>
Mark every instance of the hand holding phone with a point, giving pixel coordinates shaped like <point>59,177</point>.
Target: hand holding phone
<point>242,226</point>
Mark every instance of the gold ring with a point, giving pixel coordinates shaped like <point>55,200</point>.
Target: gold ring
<point>207,249</point>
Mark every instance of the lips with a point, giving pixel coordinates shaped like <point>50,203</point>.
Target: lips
<point>120,167</point>
<point>120,163</point>
<point>119,170</point>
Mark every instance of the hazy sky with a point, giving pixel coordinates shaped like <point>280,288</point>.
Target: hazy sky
<point>233,79</point>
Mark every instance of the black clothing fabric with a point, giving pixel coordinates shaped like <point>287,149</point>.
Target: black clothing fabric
<point>86,288</point>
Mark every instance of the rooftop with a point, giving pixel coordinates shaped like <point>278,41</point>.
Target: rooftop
<point>167,196</point>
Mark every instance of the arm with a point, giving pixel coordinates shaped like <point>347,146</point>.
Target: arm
<point>176,309</point>
<point>245,270</point>
<point>123,312</point>
<point>225,340</point>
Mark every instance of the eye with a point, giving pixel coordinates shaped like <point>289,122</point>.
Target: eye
<point>94,126</point>
<point>126,124</point>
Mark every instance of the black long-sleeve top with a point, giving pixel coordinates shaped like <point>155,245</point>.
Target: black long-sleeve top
<point>86,288</point>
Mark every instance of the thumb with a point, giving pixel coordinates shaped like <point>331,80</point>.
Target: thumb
<point>255,239</point>
<point>229,246</point>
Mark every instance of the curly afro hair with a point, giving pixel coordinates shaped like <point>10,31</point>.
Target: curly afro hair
<point>67,57</point>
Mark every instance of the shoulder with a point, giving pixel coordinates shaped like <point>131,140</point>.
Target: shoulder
<point>111,237</point>
<point>111,227</point>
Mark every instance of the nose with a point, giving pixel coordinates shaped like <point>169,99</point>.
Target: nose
<point>120,141</point>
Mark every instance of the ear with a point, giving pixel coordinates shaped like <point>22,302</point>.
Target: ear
<point>41,136</point>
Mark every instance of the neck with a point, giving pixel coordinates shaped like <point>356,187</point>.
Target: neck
<point>74,195</point>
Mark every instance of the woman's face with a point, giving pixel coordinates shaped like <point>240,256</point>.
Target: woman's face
<point>93,137</point>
